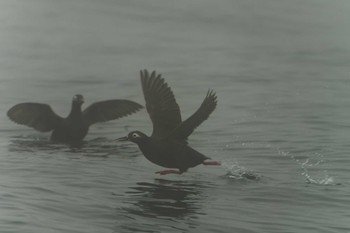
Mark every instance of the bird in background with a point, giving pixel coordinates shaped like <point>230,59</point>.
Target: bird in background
<point>75,126</point>
<point>167,146</point>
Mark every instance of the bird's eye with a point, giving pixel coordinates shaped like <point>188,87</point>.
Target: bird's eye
<point>135,135</point>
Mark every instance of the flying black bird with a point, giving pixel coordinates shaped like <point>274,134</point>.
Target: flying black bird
<point>75,126</point>
<point>167,146</point>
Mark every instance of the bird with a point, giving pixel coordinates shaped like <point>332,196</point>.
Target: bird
<point>167,146</point>
<point>75,126</point>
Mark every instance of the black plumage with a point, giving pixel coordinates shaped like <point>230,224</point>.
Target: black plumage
<point>167,146</point>
<point>75,126</point>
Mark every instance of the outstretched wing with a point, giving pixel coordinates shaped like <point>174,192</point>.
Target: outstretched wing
<point>160,104</point>
<point>38,116</point>
<point>109,110</point>
<point>189,125</point>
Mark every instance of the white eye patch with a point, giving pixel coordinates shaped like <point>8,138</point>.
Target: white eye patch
<point>135,135</point>
<point>78,98</point>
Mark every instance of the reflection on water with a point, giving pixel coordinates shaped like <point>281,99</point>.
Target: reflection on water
<point>33,144</point>
<point>166,198</point>
<point>163,203</point>
<point>98,147</point>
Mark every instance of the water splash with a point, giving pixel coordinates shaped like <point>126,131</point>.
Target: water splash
<point>238,172</point>
<point>306,164</point>
<point>310,164</point>
<point>327,180</point>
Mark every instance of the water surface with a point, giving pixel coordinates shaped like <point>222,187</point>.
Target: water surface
<point>281,73</point>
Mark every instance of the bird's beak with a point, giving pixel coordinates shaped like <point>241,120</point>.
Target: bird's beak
<point>122,139</point>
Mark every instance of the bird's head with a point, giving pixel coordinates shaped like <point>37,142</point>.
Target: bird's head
<point>78,99</point>
<point>134,136</point>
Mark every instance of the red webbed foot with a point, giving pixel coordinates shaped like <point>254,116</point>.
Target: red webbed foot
<point>166,172</point>
<point>213,163</point>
